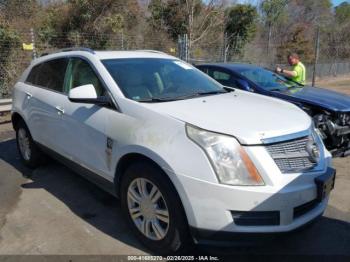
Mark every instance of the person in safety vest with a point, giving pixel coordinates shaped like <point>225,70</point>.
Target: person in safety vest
<point>298,72</point>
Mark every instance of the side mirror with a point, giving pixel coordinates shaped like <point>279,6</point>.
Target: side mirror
<point>80,93</point>
<point>245,85</point>
<point>87,94</point>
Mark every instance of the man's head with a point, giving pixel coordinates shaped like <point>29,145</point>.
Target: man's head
<point>293,59</point>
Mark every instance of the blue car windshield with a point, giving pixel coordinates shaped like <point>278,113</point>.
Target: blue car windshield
<point>268,80</point>
<point>158,79</point>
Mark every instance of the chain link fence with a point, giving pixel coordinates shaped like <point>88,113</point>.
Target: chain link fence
<point>14,59</point>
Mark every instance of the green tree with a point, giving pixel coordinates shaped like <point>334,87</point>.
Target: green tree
<point>9,43</point>
<point>195,18</point>
<point>168,16</point>
<point>160,33</point>
<point>310,12</point>
<point>337,37</point>
<point>158,12</point>
<point>296,42</point>
<point>240,27</point>
<point>342,13</point>
<point>92,23</point>
<point>273,11</point>
<point>18,9</point>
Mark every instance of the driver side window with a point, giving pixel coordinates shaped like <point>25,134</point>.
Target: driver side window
<point>80,73</point>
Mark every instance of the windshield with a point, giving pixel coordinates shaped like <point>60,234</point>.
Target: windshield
<point>154,79</point>
<point>269,80</point>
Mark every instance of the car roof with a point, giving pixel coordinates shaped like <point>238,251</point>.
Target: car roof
<point>131,54</point>
<point>105,54</point>
<point>232,66</point>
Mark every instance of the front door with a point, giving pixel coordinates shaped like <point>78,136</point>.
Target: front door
<point>87,122</point>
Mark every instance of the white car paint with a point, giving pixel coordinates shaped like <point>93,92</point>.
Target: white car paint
<point>85,91</point>
<point>225,114</point>
<point>158,132</point>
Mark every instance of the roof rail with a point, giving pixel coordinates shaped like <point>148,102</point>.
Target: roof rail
<point>69,49</point>
<point>151,51</point>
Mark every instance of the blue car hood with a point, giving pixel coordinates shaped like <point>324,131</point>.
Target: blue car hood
<point>323,97</point>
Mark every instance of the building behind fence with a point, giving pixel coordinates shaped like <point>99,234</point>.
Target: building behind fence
<point>16,59</point>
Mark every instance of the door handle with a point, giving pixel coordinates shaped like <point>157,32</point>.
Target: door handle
<point>29,95</point>
<point>60,110</point>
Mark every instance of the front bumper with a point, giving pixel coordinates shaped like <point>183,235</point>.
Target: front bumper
<point>214,207</point>
<point>231,239</point>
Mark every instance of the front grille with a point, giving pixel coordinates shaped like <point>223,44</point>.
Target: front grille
<point>256,218</point>
<point>294,155</point>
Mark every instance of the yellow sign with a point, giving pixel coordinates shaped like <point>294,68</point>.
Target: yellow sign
<point>28,47</point>
<point>172,50</point>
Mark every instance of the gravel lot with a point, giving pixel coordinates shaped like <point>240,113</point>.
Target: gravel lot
<point>51,210</point>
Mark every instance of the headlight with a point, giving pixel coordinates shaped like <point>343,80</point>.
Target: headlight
<point>230,161</point>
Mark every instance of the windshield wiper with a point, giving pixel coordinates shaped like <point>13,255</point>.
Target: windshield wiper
<point>197,94</point>
<point>155,100</point>
<point>295,86</point>
<point>288,88</point>
<point>167,99</point>
<point>229,88</point>
<point>211,92</point>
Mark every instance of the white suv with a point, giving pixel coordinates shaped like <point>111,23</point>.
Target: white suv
<point>189,158</point>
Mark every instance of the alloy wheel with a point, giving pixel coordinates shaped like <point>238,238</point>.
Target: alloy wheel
<point>148,209</point>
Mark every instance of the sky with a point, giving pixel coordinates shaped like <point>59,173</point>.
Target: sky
<point>337,2</point>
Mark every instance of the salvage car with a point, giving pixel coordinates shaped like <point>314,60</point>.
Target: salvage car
<point>189,159</point>
<point>330,110</point>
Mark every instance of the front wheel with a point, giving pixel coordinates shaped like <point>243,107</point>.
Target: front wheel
<point>153,209</point>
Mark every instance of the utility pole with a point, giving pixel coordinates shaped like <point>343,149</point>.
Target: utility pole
<point>317,47</point>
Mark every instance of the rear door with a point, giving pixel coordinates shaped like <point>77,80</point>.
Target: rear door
<point>23,98</point>
<point>48,103</point>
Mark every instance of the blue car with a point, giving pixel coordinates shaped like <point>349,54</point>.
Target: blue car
<point>330,110</point>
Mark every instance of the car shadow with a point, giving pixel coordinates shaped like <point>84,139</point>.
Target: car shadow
<point>328,236</point>
<point>86,200</point>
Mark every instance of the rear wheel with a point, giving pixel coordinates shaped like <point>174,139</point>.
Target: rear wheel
<point>29,152</point>
<point>153,209</point>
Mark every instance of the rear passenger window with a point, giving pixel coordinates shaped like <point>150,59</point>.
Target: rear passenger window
<point>33,74</point>
<point>221,76</point>
<point>49,74</point>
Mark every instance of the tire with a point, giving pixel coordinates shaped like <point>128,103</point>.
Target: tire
<point>164,229</point>
<point>29,152</point>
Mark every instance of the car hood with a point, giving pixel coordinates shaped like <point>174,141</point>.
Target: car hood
<point>327,99</point>
<point>248,117</point>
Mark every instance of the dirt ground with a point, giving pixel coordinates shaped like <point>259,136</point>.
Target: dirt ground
<point>339,84</point>
<point>51,211</point>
